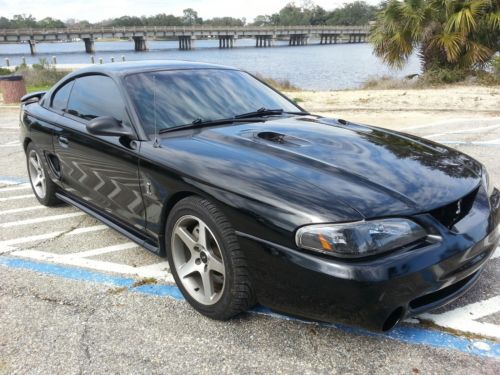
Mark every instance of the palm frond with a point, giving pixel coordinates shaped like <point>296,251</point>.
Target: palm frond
<point>450,43</point>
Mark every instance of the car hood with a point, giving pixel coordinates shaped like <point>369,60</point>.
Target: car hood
<point>375,172</point>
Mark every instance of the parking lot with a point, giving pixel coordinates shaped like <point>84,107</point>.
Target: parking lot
<point>77,297</point>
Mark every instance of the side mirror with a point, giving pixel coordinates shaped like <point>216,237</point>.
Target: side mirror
<point>107,125</point>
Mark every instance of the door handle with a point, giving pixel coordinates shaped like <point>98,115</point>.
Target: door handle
<point>63,141</point>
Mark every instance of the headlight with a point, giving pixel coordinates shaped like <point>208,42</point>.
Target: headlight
<point>357,239</point>
<point>488,186</point>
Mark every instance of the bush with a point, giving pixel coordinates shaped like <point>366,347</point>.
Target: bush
<point>41,74</point>
<point>4,72</point>
<point>389,83</point>
<point>278,84</point>
<point>438,76</point>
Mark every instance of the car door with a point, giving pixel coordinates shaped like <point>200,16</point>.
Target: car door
<point>101,171</point>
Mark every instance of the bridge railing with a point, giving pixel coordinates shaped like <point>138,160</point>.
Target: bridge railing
<point>115,29</point>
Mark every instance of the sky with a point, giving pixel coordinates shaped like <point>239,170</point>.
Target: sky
<point>97,10</point>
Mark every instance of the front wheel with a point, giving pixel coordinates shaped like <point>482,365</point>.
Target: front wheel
<point>206,261</point>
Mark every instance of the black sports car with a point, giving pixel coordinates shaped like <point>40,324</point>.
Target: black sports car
<point>252,199</point>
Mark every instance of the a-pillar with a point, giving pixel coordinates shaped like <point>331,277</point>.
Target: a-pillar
<point>89,45</point>
<point>140,43</point>
<point>32,44</point>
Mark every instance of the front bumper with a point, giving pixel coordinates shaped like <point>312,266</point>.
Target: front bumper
<point>376,294</point>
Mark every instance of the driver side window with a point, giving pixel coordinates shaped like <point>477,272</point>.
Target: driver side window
<point>94,96</point>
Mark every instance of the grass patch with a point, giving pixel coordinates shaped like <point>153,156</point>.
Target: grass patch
<point>297,100</point>
<point>38,88</point>
<point>145,281</point>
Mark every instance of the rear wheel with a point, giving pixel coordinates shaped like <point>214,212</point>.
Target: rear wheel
<point>206,261</point>
<point>43,187</point>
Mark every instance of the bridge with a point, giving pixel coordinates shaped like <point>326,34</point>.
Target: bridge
<point>264,36</point>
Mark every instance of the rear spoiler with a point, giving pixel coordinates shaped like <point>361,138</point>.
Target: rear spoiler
<point>33,97</point>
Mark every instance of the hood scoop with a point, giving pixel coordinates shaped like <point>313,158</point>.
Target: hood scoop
<point>282,139</point>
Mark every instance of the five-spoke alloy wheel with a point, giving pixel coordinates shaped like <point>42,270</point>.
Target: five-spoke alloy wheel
<point>205,259</point>
<point>198,259</point>
<point>43,187</point>
<point>37,174</point>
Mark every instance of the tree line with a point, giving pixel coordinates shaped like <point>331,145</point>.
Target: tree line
<point>355,13</point>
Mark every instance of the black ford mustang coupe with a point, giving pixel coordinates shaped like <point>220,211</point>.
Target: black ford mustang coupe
<point>252,199</point>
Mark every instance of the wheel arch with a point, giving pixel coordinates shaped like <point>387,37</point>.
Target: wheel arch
<point>26,142</point>
<point>169,203</point>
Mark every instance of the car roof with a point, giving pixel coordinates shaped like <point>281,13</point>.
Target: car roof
<point>123,68</point>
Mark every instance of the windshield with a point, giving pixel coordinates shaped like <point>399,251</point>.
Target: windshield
<point>184,96</point>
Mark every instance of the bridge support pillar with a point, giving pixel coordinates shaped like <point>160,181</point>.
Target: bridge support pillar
<point>185,42</point>
<point>32,44</point>
<point>140,43</point>
<point>298,40</point>
<point>226,41</point>
<point>89,45</point>
<point>264,41</point>
<point>328,38</point>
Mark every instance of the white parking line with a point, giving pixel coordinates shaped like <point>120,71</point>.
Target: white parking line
<point>463,131</point>
<point>22,209</point>
<point>95,264</point>
<point>454,121</point>
<point>18,144</point>
<point>8,245</point>
<point>41,219</point>
<point>16,197</point>
<point>493,142</point>
<point>465,318</point>
<point>18,187</point>
<point>103,250</point>
<point>496,254</point>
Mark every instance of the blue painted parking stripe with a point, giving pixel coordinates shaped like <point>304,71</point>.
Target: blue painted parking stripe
<point>403,333</point>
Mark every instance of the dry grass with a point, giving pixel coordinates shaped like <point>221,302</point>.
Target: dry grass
<point>145,281</point>
<point>279,84</point>
<point>40,75</point>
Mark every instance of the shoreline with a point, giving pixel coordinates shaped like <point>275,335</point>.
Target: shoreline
<point>393,108</point>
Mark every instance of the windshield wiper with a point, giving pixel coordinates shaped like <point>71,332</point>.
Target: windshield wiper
<point>268,112</point>
<point>200,123</point>
<point>261,112</point>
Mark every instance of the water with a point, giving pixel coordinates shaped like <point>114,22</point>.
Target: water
<point>312,67</point>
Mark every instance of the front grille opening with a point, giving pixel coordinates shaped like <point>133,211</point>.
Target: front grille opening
<point>431,298</point>
<point>452,213</point>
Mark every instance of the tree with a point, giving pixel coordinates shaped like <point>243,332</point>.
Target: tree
<point>51,23</point>
<point>447,33</point>
<point>190,17</point>
<point>224,21</point>
<point>355,13</point>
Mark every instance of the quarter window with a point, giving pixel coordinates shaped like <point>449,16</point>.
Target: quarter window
<point>60,99</point>
<point>95,96</point>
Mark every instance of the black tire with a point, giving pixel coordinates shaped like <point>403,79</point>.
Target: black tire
<point>49,198</point>
<point>237,294</point>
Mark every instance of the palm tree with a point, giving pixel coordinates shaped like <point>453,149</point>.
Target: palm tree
<point>447,33</point>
